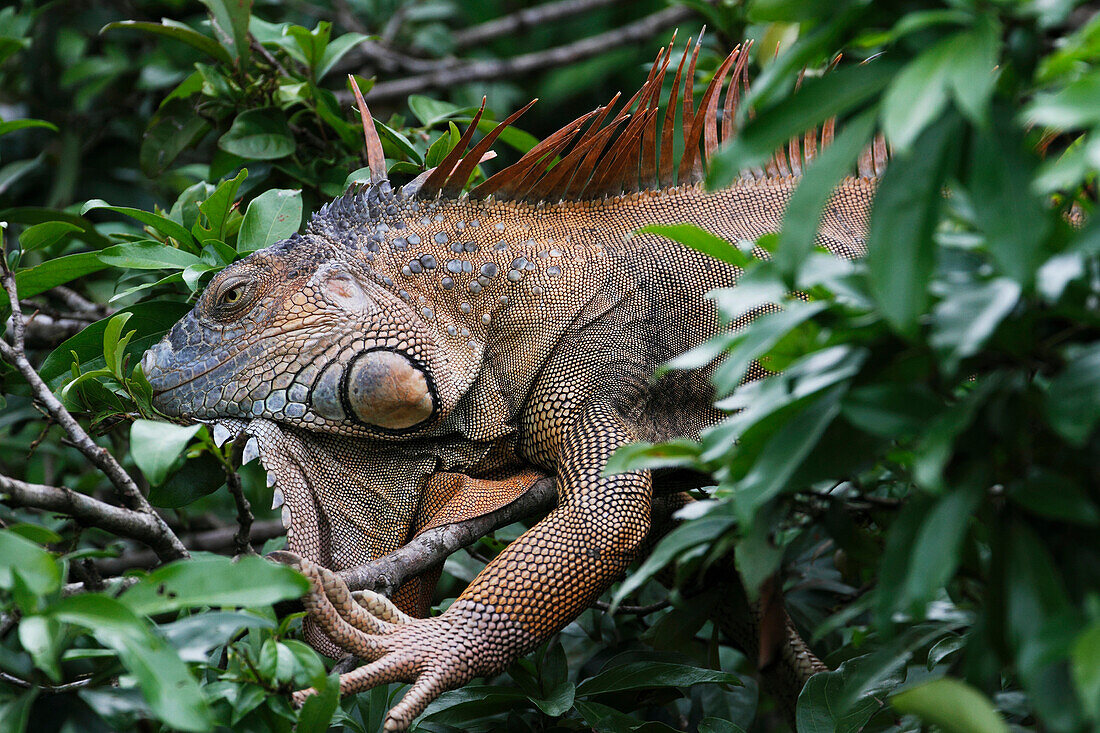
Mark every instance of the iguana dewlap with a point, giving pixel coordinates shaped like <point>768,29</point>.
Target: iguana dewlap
<point>417,354</point>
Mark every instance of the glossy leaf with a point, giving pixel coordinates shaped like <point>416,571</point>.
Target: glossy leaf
<point>951,705</point>
<point>272,216</point>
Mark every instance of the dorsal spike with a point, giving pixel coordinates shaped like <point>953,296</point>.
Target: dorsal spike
<point>588,158</point>
<point>558,178</point>
<point>739,79</point>
<point>584,168</point>
<point>669,126</point>
<point>434,182</point>
<point>457,180</point>
<point>376,159</point>
<point>688,169</point>
<point>531,158</point>
<point>688,120</point>
<point>881,155</point>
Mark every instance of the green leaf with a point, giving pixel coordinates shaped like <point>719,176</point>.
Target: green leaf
<point>432,111</point>
<point>194,637</point>
<point>964,320</point>
<point>918,95</point>
<point>147,255</point>
<point>42,638</point>
<point>802,217</point>
<point>196,478</point>
<point>700,240</point>
<point>272,216</point>
<point>1073,397</point>
<point>398,141</point>
<point>1016,223</point>
<point>907,208</point>
<point>688,535</point>
<point>1076,105</point>
<point>45,234</point>
<point>784,452</point>
<point>259,134</point>
<point>836,93</point>
<point>155,446</point>
<point>169,688</point>
<point>56,271</point>
<point>646,675</point>
<point>752,343</point>
<point>151,321</point>
<point>936,549</point>
<point>1085,660</point>
<point>952,705</point>
<point>162,224</point>
<point>177,31</point>
<point>218,208</point>
<point>335,51</point>
<point>317,711</point>
<point>212,580</point>
<point>229,19</point>
<point>644,456</point>
<point>175,127</point>
<point>818,711</point>
<point>19,557</point>
<point>16,125</point>
<point>446,142</point>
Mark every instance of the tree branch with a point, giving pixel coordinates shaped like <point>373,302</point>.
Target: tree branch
<point>218,540</point>
<point>91,512</point>
<point>523,19</point>
<point>170,548</point>
<point>526,63</point>
<point>386,574</point>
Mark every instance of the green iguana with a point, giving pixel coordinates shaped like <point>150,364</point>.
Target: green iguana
<point>419,356</point>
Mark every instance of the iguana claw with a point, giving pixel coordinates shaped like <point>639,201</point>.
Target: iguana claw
<point>434,654</point>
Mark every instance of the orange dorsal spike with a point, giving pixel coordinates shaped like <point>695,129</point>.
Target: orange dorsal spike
<point>881,155</point>
<point>461,174</point>
<point>688,119</point>
<point>376,159</point>
<point>710,130</point>
<point>648,170</point>
<point>733,94</point>
<point>558,178</point>
<point>507,177</point>
<point>588,169</point>
<point>688,168</point>
<point>442,172</point>
<point>669,126</point>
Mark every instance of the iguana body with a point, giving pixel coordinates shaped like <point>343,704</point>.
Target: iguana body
<point>416,357</point>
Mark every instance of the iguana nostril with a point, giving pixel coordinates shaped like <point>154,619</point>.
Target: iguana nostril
<point>147,362</point>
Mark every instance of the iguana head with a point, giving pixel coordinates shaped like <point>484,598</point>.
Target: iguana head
<point>309,332</point>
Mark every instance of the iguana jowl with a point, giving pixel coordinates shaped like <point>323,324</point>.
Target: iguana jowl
<point>419,356</point>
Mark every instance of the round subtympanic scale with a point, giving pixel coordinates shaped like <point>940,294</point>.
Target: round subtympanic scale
<point>386,389</point>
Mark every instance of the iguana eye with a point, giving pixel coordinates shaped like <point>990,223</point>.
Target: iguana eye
<point>231,296</point>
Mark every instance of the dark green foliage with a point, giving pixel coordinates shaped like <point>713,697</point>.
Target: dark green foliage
<point>921,472</point>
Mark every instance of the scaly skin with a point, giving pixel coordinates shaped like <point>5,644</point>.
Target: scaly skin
<point>401,341</point>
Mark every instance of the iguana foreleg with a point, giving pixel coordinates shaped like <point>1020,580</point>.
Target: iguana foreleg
<point>532,589</point>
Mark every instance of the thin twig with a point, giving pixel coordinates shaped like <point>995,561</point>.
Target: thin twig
<point>50,689</point>
<point>242,540</point>
<point>633,610</point>
<point>523,19</point>
<point>483,70</point>
<point>147,528</point>
<point>221,540</point>
<point>167,545</point>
